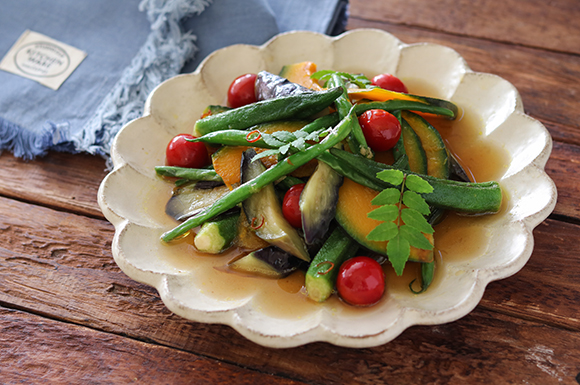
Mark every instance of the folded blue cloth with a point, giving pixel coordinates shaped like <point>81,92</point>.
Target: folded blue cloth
<point>131,46</point>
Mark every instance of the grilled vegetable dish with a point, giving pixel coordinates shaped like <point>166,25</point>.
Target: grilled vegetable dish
<point>328,172</point>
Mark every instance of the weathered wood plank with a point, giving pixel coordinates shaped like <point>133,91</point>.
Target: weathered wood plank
<point>69,182</point>
<point>562,167</point>
<point>536,292</point>
<point>42,351</point>
<point>534,23</point>
<point>74,281</point>
<point>69,248</point>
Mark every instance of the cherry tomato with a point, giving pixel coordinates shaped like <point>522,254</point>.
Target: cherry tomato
<point>381,129</point>
<point>291,205</point>
<point>241,91</point>
<point>361,281</point>
<point>181,153</point>
<point>389,82</point>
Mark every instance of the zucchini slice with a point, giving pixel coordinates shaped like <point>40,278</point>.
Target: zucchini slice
<point>218,234</point>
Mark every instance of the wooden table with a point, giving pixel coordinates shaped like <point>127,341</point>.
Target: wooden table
<point>68,314</point>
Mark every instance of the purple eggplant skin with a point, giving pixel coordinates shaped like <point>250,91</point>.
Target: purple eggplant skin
<point>457,172</point>
<point>265,207</point>
<point>189,200</point>
<point>318,202</point>
<point>282,262</point>
<point>270,86</point>
<point>271,262</point>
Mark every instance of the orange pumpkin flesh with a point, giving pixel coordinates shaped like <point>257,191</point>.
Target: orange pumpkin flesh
<point>354,203</point>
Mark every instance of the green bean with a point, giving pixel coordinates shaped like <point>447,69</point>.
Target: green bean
<point>286,107</point>
<point>356,140</point>
<point>344,169</point>
<point>322,123</point>
<point>235,138</point>
<point>427,274</point>
<point>323,271</point>
<point>288,182</point>
<point>484,197</point>
<point>188,173</point>
<point>274,173</point>
<point>246,138</point>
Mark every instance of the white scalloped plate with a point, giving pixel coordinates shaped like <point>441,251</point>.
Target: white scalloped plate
<point>132,198</point>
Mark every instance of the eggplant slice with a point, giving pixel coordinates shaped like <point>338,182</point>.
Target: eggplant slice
<point>318,202</point>
<point>270,86</point>
<point>264,212</point>
<point>270,261</point>
<point>190,199</point>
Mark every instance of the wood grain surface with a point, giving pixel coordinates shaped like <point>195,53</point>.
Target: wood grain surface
<point>69,315</point>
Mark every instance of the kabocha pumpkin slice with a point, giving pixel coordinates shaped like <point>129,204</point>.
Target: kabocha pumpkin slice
<point>354,203</point>
<point>433,145</point>
<point>226,162</point>
<point>299,73</point>
<point>413,149</point>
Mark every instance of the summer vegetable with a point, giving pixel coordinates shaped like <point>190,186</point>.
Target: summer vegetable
<point>314,169</point>
<point>181,152</point>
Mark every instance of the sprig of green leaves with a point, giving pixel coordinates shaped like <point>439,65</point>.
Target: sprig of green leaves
<point>289,142</point>
<point>358,79</point>
<point>402,212</point>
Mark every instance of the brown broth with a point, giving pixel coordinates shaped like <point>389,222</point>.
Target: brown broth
<point>456,238</point>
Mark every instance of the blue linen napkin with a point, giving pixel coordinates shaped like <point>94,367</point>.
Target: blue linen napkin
<point>131,46</point>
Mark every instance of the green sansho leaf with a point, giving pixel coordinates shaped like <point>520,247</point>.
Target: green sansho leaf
<point>284,136</point>
<point>415,238</point>
<point>284,149</point>
<point>358,79</point>
<point>398,250</point>
<point>322,73</point>
<point>403,212</point>
<point>394,177</point>
<point>300,134</point>
<point>416,202</point>
<point>383,232</point>
<point>299,144</point>
<point>415,219</point>
<point>264,154</point>
<point>271,141</point>
<point>418,184</point>
<point>387,213</point>
<point>388,196</point>
<point>315,135</point>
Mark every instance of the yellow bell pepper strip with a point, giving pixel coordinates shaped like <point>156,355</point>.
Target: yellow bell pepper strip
<point>382,95</point>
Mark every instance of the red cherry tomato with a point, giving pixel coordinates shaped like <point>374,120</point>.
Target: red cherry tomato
<point>241,91</point>
<point>182,153</point>
<point>389,82</point>
<point>291,205</point>
<point>361,281</point>
<point>381,129</point>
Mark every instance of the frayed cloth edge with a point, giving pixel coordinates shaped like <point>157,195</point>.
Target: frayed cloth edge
<point>164,53</point>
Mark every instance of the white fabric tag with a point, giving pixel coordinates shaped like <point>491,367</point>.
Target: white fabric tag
<point>42,59</point>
